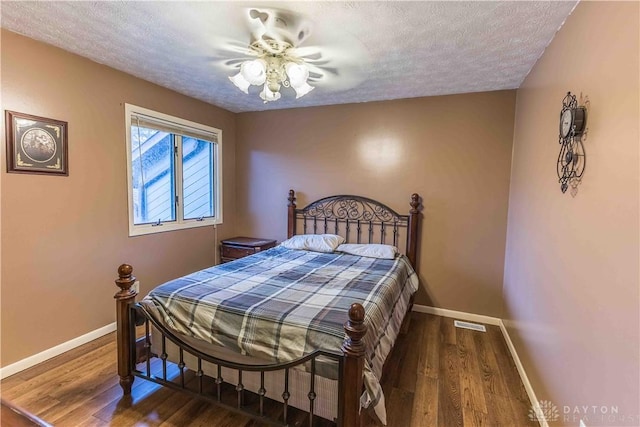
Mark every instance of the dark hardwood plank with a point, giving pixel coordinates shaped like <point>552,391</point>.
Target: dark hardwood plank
<point>39,405</point>
<point>50,400</point>
<point>491,371</point>
<point>473,418</point>
<point>429,355</point>
<point>153,409</point>
<point>398,402</point>
<point>76,394</point>
<point>13,381</point>
<point>500,413</point>
<point>437,376</point>
<point>410,359</point>
<point>425,402</point>
<point>447,332</point>
<point>449,400</point>
<point>14,416</point>
<point>197,410</point>
<point>203,414</point>
<point>393,365</point>
<point>471,384</point>
<point>65,373</point>
<point>84,414</point>
<point>66,357</point>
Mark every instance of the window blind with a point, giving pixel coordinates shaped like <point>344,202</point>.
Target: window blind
<point>138,119</point>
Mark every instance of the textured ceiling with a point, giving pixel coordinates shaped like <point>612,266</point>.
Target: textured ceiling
<point>380,50</point>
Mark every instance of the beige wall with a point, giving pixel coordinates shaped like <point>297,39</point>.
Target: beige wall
<point>455,151</point>
<point>64,237</point>
<point>572,265</point>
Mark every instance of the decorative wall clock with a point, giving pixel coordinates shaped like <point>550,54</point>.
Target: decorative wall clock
<point>571,159</point>
<point>36,144</point>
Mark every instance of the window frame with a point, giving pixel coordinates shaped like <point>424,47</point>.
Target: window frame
<point>175,124</point>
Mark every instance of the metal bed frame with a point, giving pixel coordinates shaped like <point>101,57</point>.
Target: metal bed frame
<point>343,214</point>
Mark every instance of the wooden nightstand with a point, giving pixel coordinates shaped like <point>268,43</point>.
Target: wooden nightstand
<point>239,247</point>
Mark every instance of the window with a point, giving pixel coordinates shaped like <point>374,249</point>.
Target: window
<point>174,172</point>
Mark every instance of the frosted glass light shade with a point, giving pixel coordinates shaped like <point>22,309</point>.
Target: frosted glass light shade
<point>254,71</point>
<point>240,82</point>
<point>267,95</point>
<point>302,90</point>
<point>298,74</point>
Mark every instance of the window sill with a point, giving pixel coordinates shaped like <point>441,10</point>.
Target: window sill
<point>141,230</point>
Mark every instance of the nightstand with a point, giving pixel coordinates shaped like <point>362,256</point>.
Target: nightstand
<point>239,247</point>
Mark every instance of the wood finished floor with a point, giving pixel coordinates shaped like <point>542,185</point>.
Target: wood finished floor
<point>438,375</point>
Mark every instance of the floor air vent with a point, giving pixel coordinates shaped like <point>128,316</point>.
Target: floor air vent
<point>467,325</point>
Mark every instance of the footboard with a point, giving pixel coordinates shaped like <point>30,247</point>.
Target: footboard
<point>233,395</point>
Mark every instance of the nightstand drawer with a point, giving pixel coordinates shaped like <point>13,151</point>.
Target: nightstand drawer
<point>240,247</point>
<point>235,252</point>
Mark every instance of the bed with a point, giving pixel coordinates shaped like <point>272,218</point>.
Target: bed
<point>334,316</point>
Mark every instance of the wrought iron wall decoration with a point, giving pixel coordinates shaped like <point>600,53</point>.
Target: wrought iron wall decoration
<point>572,159</point>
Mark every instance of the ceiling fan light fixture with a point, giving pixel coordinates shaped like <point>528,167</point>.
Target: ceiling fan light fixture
<point>276,66</point>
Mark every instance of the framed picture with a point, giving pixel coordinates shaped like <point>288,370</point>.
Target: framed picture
<point>36,144</point>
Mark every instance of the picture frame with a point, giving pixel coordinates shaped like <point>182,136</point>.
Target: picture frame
<point>36,145</point>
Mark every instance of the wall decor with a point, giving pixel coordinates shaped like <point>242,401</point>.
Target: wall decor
<point>572,159</point>
<point>36,144</point>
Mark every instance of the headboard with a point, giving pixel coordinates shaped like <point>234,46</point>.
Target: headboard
<point>359,220</point>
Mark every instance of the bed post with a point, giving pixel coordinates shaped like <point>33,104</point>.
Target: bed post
<point>124,298</point>
<point>291,224</point>
<point>412,237</point>
<point>354,352</point>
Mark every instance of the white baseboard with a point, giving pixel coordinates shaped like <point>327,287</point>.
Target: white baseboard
<point>30,361</point>
<point>488,320</point>
<point>525,379</point>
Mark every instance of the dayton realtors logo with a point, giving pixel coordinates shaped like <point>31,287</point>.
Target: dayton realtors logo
<point>544,410</point>
<point>596,415</point>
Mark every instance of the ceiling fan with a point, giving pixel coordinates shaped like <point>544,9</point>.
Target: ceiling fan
<point>276,56</point>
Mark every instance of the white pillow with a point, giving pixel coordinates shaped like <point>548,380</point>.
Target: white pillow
<point>371,250</point>
<point>314,242</point>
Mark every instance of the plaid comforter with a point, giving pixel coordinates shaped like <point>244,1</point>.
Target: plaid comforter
<point>281,304</point>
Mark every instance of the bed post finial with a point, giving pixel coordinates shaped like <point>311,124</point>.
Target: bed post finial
<point>292,198</point>
<point>412,237</point>
<point>356,330</point>
<point>415,203</point>
<point>125,281</point>
<point>124,298</point>
<point>354,352</point>
<point>291,222</point>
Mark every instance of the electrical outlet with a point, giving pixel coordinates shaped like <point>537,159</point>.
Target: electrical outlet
<point>136,286</point>
<point>582,424</point>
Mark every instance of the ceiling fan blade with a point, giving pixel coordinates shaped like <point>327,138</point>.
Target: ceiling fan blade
<point>232,46</point>
<point>234,63</point>
<point>267,23</point>
<point>333,67</point>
